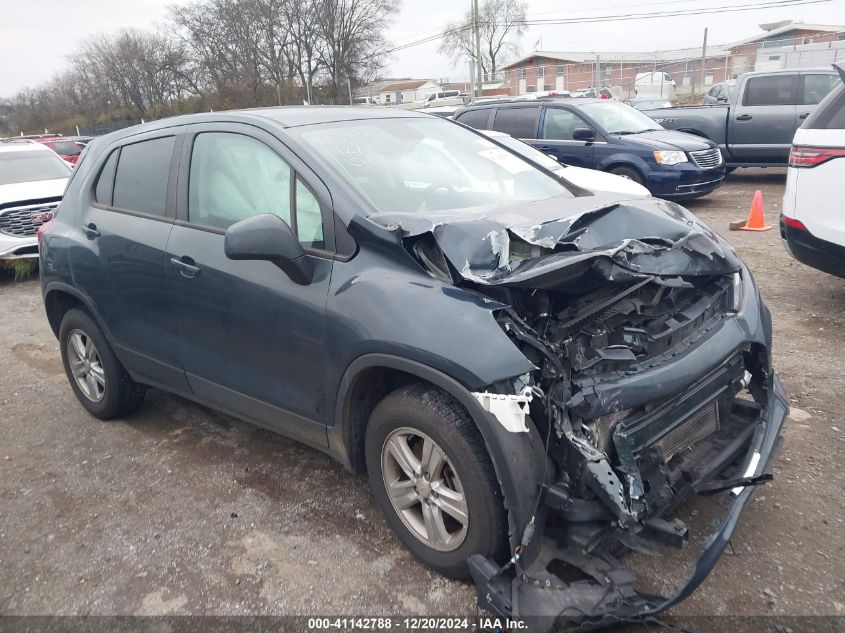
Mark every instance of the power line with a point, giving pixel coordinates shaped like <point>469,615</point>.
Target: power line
<point>766,4</point>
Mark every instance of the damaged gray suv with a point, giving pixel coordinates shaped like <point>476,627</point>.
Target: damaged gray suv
<point>532,375</point>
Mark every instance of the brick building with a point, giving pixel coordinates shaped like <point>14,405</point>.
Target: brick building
<point>557,70</point>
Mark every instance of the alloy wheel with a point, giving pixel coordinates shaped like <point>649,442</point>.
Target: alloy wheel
<point>86,366</point>
<point>424,489</point>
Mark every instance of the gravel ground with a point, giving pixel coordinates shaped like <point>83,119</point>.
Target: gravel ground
<point>181,510</point>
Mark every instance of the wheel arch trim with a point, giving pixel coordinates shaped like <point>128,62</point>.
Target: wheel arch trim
<point>53,287</point>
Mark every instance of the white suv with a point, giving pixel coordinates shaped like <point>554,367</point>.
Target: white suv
<point>813,222</point>
<point>32,181</point>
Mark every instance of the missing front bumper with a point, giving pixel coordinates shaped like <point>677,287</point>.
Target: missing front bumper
<point>539,587</point>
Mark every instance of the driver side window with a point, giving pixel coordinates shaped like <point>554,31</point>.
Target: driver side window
<point>234,177</point>
<point>559,125</point>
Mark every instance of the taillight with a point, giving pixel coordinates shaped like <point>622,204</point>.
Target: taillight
<point>41,230</point>
<point>793,223</point>
<point>804,156</point>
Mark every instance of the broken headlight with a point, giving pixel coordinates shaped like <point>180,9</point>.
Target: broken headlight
<point>736,292</point>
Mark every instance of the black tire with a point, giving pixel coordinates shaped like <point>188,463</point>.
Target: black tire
<point>121,395</point>
<point>630,173</point>
<point>437,415</point>
<point>730,170</point>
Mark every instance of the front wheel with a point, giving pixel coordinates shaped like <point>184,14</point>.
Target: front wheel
<point>433,480</point>
<point>630,173</point>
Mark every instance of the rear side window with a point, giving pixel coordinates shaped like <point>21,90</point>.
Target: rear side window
<point>830,115</point>
<point>518,122</point>
<point>105,182</point>
<point>816,87</point>
<point>771,90</point>
<point>140,182</point>
<point>476,118</point>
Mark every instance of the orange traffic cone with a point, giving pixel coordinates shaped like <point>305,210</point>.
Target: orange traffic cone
<point>756,221</point>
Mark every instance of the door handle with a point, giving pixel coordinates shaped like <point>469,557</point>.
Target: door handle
<point>91,230</point>
<point>743,117</point>
<point>545,148</point>
<point>186,266</point>
<point>803,115</point>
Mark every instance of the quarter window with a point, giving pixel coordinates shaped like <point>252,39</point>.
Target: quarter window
<point>105,182</point>
<point>771,90</point>
<point>518,122</point>
<point>476,118</point>
<point>140,182</point>
<point>309,220</point>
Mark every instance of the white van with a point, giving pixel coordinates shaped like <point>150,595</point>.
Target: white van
<point>655,84</point>
<point>444,97</point>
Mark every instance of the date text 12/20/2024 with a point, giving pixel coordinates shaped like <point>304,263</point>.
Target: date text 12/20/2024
<point>418,623</point>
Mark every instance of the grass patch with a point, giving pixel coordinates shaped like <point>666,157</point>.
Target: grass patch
<point>20,269</point>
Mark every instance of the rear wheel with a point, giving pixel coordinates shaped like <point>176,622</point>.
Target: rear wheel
<point>630,173</point>
<point>100,382</point>
<point>433,480</point>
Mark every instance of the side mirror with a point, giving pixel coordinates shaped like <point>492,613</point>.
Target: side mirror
<point>583,134</point>
<point>268,237</point>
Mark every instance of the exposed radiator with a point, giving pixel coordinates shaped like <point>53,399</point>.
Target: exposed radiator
<point>695,428</point>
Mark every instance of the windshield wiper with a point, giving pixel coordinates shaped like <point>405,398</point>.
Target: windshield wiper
<point>623,132</point>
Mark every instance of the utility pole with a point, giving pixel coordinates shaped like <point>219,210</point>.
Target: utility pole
<point>478,79</point>
<point>349,88</point>
<point>598,74</point>
<point>703,61</point>
<point>471,82</point>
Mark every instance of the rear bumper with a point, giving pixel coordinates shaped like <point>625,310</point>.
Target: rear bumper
<point>813,251</point>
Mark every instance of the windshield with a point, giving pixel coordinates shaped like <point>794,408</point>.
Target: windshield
<point>618,118</point>
<point>408,165</point>
<point>524,149</point>
<point>30,166</point>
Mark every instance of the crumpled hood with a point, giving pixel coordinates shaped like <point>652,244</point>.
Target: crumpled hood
<point>671,140</point>
<point>547,243</point>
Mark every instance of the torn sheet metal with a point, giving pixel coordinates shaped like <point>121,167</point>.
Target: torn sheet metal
<point>531,245</point>
<point>509,410</point>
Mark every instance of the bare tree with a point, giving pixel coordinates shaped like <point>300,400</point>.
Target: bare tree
<point>353,36</point>
<point>306,47</point>
<point>501,24</point>
<point>212,54</point>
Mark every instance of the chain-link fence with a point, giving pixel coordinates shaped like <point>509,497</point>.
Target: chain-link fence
<point>679,74</point>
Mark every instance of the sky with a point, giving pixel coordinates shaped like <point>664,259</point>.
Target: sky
<point>37,35</point>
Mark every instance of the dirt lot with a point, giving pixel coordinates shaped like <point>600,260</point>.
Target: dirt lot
<point>180,510</point>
